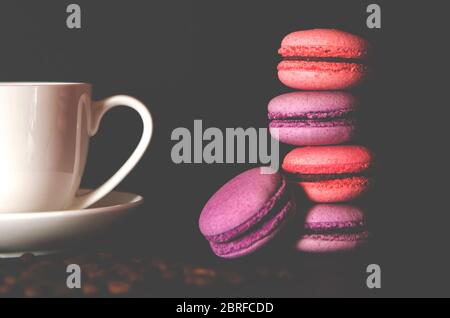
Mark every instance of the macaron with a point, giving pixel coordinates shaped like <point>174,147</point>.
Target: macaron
<point>313,118</point>
<point>330,173</point>
<point>333,228</point>
<point>246,213</point>
<point>323,59</point>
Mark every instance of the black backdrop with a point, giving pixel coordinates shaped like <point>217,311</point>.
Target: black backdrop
<point>216,61</point>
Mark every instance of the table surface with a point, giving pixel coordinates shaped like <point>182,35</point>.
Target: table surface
<point>116,274</point>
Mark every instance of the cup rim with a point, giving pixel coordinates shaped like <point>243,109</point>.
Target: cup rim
<point>28,84</point>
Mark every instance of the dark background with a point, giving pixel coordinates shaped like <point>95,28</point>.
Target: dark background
<point>216,61</point>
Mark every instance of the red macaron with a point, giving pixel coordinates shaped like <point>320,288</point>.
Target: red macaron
<point>330,173</point>
<point>323,59</point>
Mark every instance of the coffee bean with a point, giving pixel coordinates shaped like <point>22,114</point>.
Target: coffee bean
<point>118,288</point>
<point>167,272</point>
<point>31,292</point>
<point>199,276</point>
<point>4,290</point>
<point>10,280</point>
<point>89,289</point>
<point>204,272</point>
<point>93,271</point>
<point>233,278</point>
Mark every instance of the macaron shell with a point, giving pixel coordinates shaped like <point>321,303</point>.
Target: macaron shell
<point>238,201</point>
<point>334,216</point>
<point>324,43</point>
<point>299,103</point>
<point>333,77</point>
<point>328,160</point>
<point>328,244</point>
<point>313,136</point>
<point>337,190</point>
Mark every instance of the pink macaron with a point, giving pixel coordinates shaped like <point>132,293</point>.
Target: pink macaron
<point>333,228</point>
<point>323,59</point>
<point>330,173</point>
<point>313,118</point>
<point>246,213</point>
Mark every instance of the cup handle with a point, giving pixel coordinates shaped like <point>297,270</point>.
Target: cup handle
<point>99,109</point>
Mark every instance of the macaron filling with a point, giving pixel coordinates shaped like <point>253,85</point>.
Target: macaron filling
<point>342,237</point>
<point>361,52</point>
<point>324,59</point>
<point>334,118</point>
<point>321,65</point>
<point>312,177</point>
<point>337,231</point>
<point>342,226</point>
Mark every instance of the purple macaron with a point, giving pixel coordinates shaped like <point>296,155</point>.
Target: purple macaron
<point>333,228</point>
<point>246,213</point>
<point>313,118</point>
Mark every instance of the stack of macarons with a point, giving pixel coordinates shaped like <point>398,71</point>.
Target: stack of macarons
<point>320,120</point>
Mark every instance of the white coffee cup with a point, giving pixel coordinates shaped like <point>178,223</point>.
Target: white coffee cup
<point>44,137</point>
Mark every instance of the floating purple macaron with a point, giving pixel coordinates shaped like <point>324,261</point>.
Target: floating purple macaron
<point>333,228</point>
<point>313,118</point>
<point>246,213</point>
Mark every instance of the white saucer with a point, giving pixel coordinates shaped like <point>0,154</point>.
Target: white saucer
<point>47,232</point>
